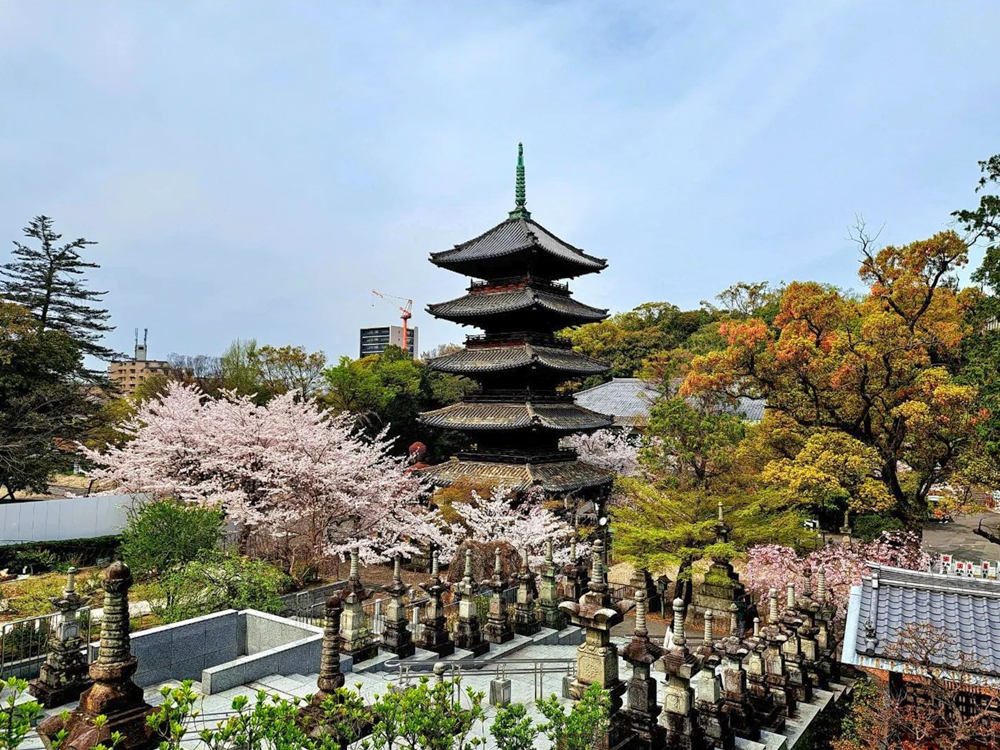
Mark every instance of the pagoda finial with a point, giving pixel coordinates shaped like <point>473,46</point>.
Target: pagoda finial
<point>520,209</point>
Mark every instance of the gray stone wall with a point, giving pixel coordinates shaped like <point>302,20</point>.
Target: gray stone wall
<point>181,651</point>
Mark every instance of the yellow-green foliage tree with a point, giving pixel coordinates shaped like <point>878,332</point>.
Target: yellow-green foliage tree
<point>878,368</point>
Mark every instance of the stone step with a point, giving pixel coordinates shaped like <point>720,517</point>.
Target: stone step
<point>571,636</point>
<point>772,741</point>
<point>546,637</point>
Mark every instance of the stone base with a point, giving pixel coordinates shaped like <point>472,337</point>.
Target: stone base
<point>364,653</point>
<point>680,731</point>
<point>526,625</point>
<point>647,734</point>
<point>551,617</point>
<point>83,734</point>
<point>51,696</point>
<point>403,650</point>
<point>312,720</point>
<point>436,639</point>
<point>497,633</point>
<point>398,640</point>
<point>469,637</point>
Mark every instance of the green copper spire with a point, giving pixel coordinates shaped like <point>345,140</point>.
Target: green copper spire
<point>520,211</point>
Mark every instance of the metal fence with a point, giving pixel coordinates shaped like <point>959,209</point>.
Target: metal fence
<point>25,643</point>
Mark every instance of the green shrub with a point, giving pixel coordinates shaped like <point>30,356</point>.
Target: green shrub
<point>869,527</point>
<point>165,534</point>
<point>218,581</point>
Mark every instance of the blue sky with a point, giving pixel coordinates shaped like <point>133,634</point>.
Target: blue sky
<point>254,169</point>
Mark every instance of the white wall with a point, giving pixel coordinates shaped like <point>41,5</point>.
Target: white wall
<point>67,518</point>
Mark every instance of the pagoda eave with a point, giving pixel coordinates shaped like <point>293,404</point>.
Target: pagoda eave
<point>558,477</point>
<point>495,359</point>
<point>508,417</point>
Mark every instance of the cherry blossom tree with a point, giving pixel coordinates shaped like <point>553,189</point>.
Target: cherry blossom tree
<point>607,449</point>
<point>774,566</point>
<point>284,469</point>
<point>520,522</point>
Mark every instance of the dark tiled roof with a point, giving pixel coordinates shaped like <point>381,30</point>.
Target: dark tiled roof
<point>555,477</point>
<point>559,416</point>
<point>513,236</point>
<point>479,305</point>
<point>501,358</point>
<point>629,401</point>
<point>965,610</point>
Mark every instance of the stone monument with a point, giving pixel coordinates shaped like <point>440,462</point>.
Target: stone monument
<point>498,629</point>
<point>63,676</point>
<point>468,632</point>
<point>396,638</point>
<point>113,694</point>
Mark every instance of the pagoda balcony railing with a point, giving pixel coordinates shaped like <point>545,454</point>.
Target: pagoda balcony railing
<point>518,337</point>
<point>513,456</point>
<point>519,281</point>
<point>519,395</point>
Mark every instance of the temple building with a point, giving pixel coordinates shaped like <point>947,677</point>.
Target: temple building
<point>518,300</point>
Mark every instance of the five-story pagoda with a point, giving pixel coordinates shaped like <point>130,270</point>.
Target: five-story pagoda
<point>516,421</point>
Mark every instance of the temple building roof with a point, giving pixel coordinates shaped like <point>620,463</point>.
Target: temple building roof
<point>513,244</point>
<point>479,307</point>
<point>555,477</point>
<point>559,416</point>
<point>504,358</point>
<point>964,613</point>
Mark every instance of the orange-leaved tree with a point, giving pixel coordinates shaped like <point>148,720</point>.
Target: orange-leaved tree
<point>877,367</point>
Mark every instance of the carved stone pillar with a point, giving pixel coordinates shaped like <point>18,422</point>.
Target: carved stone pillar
<point>735,697</point>
<point>597,656</point>
<point>498,629</point>
<point>678,718</point>
<point>829,653</point>
<point>113,693</point>
<point>548,593</point>
<point>63,676</point>
<point>575,576</point>
<point>356,639</point>
<point>713,721</point>
<point>396,638</point>
<point>525,616</point>
<point>468,633</point>
<point>641,708</point>
<point>775,668</point>
<point>434,636</point>
<point>795,667</point>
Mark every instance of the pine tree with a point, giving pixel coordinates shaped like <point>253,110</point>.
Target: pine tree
<point>47,279</point>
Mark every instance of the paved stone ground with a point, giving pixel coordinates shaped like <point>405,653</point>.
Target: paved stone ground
<point>960,539</point>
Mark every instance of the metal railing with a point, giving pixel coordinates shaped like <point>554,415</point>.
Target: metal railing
<point>405,671</point>
<point>24,643</point>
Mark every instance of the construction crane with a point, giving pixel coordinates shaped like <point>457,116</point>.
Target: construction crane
<point>405,315</point>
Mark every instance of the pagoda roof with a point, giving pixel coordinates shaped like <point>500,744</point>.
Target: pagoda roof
<point>505,358</point>
<point>517,238</point>
<point>561,416</point>
<point>482,305</point>
<point>552,477</point>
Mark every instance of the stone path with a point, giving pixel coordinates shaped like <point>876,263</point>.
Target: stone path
<point>959,538</point>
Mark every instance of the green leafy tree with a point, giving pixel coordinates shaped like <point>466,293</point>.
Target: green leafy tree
<point>583,727</point>
<point>47,278</point>
<point>241,370</point>
<point>163,535</point>
<point>656,526</point>
<point>16,718</point>
<point>624,341</point>
<point>513,729</point>
<point>292,368</point>
<point>391,390</point>
<point>44,408</point>
<point>692,440</point>
<point>216,582</point>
